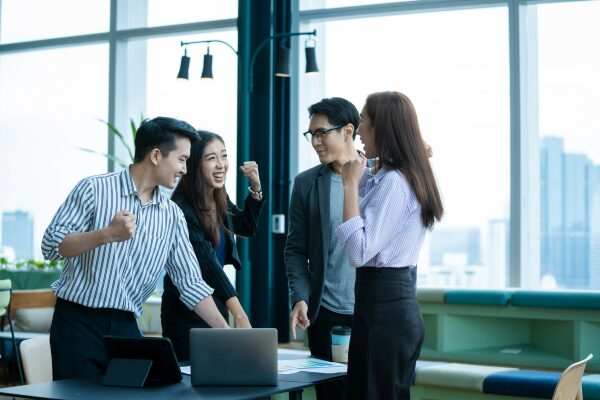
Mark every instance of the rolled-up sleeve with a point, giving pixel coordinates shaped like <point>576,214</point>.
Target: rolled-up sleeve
<point>364,236</point>
<point>76,214</point>
<point>182,266</point>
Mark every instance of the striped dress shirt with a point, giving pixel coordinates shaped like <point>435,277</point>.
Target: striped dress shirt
<point>122,275</point>
<point>389,231</point>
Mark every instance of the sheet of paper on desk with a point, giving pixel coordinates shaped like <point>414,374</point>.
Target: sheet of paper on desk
<point>310,365</point>
<point>295,365</point>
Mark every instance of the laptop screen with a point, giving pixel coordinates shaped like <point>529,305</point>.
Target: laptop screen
<point>233,357</point>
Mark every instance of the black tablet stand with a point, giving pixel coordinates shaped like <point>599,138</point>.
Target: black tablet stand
<point>127,372</point>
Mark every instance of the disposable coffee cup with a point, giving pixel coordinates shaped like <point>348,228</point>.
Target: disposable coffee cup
<point>340,342</point>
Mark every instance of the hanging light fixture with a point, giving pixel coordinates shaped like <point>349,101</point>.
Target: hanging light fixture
<point>311,56</point>
<point>207,72</point>
<point>282,67</point>
<point>184,67</point>
<point>207,66</point>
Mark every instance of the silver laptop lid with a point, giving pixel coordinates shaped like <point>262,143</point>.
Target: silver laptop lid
<point>233,357</point>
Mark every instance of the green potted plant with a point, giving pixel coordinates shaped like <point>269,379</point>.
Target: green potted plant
<point>30,274</point>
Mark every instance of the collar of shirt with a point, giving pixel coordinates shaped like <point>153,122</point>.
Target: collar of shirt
<point>369,180</point>
<point>379,175</point>
<point>128,188</point>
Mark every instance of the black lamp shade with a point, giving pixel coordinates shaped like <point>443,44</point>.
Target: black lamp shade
<point>184,68</point>
<point>207,67</point>
<point>282,67</point>
<point>311,60</point>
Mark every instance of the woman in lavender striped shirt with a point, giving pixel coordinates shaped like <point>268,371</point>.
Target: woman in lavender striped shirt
<point>382,236</point>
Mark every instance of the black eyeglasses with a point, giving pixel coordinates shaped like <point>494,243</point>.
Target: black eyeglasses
<point>319,133</point>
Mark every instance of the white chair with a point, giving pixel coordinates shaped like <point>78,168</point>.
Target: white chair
<point>37,359</point>
<point>569,384</point>
<point>5,302</point>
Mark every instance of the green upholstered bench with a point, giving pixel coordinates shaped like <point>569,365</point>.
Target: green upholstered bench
<point>591,387</point>
<point>453,381</point>
<point>478,297</point>
<point>556,299</point>
<point>523,328</point>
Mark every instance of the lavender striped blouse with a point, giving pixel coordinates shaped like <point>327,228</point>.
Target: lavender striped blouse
<point>389,231</point>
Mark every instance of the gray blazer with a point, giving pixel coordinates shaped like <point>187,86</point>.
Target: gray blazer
<point>307,245</point>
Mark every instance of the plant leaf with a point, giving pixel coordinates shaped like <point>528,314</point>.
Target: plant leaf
<point>113,129</point>
<point>109,156</point>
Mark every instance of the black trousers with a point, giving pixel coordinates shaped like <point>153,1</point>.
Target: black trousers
<point>76,337</point>
<point>319,343</point>
<point>177,319</point>
<point>387,334</point>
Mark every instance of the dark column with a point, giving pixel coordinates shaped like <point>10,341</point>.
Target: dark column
<point>263,120</point>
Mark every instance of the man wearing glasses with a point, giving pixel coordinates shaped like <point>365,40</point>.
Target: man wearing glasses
<point>320,277</point>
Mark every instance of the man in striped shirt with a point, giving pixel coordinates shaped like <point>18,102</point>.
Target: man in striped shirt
<point>116,232</point>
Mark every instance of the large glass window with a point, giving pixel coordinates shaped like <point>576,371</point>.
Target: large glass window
<point>50,105</point>
<point>207,104</point>
<point>53,101</point>
<point>569,136</point>
<point>149,13</point>
<point>23,20</point>
<point>457,75</point>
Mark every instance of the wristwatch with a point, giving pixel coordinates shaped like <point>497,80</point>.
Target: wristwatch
<point>257,192</point>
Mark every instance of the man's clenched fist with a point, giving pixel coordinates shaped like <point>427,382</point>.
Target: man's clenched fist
<point>122,227</point>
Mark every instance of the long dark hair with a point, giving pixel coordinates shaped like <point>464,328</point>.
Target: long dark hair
<point>211,211</point>
<point>400,146</point>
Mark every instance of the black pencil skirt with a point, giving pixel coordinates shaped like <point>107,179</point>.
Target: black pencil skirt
<point>387,334</point>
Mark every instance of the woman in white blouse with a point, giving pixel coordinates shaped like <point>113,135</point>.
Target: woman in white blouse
<point>382,236</point>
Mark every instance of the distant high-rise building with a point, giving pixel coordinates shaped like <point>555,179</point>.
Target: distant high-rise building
<point>568,182</point>
<point>462,245</point>
<point>594,228</point>
<point>551,205</point>
<point>17,232</point>
<point>497,253</point>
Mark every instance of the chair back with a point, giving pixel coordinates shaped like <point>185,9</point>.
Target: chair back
<point>569,384</point>
<point>37,359</point>
<point>5,286</point>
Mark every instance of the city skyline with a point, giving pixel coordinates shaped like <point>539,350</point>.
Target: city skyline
<point>17,234</point>
<point>477,256</point>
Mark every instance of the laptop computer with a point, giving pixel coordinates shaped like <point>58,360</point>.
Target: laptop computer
<point>233,357</point>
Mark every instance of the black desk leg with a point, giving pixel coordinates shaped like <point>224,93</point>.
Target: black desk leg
<point>296,395</point>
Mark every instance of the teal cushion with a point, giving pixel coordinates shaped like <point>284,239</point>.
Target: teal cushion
<point>591,387</point>
<point>478,297</point>
<point>556,299</point>
<point>522,383</point>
